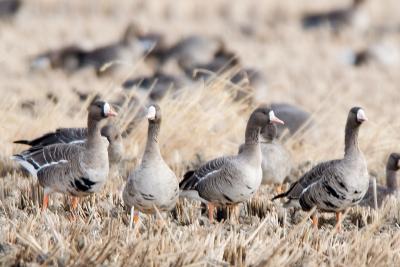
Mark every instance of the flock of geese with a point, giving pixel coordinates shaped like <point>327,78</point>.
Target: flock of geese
<point>75,162</point>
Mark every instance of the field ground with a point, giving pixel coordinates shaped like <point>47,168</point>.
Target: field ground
<point>302,68</point>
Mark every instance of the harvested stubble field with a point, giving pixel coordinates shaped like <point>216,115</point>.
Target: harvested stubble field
<point>201,123</point>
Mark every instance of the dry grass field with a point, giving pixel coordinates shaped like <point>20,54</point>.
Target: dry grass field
<point>202,122</point>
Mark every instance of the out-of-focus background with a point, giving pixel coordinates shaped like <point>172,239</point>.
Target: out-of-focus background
<point>208,64</point>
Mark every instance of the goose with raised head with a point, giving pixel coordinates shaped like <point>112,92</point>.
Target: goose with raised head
<point>79,136</point>
<point>152,185</point>
<point>334,186</point>
<point>276,160</point>
<point>392,166</point>
<point>76,170</point>
<point>295,118</point>
<point>231,180</point>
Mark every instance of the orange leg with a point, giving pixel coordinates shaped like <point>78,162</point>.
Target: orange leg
<point>211,208</point>
<point>278,189</point>
<point>136,217</point>
<point>315,220</point>
<point>338,221</point>
<point>45,202</point>
<point>74,202</point>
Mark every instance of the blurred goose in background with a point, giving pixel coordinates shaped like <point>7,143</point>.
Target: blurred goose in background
<point>9,8</point>
<point>294,117</point>
<point>334,186</point>
<point>381,53</point>
<point>392,166</point>
<point>152,185</point>
<point>222,60</point>
<point>231,180</point>
<point>193,50</point>
<point>338,18</point>
<point>79,136</point>
<point>77,170</point>
<point>159,84</point>
<point>130,47</point>
<point>276,160</point>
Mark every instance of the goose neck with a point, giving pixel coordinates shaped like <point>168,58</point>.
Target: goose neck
<point>351,139</point>
<point>94,135</point>
<point>391,181</point>
<point>152,148</point>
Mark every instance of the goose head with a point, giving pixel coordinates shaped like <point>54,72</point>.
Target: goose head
<point>356,116</point>
<point>264,116</point>
<point>154,113</point>
<point>111,133</point>
<point>394,162</point>
<point>99,110</point>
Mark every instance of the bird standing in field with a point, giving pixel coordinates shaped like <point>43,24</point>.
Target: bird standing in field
<point>392,166</point>
<point>334,186</point>
<point>230,180</point>
<point>276,160</point>
<point>152,185</point>
<point>76,170</point>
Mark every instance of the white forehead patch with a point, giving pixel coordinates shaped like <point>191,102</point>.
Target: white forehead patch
<point>106,109</point>
<point>151,113</point>
<point>271,115</point>
<point>361,115</point>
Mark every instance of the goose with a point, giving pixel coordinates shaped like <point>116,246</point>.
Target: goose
<point>73,57</point>
<point>159,83</point>
<point>9,8</point>
<point>336,18</point>
<point>295,119</point>
<point>231,180</point>
<point>193,50</point>
<point>76,170</point>
<point>79,136</point>
<point>152,185</point>
<point>222,60</point>
<point>392,166</point>
<point>276,159</point>
<point>334,186</point>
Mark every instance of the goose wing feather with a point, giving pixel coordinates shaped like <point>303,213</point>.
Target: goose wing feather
<point>192,178</point>
<point>312,176</point>
<point>61,135</point>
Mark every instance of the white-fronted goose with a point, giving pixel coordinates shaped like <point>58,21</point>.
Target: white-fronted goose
<point>294,117</point>
<point>152,184</point>
<point>77,170</point>
<point>336,18</point>
<point>9,8</point>
<point>276,160</point>
<point>334,186</point>
<point>222,60</point>
<point>392,166</point>
<point>72,58</point>
<point>159,83</point>
<point>231,180</point>
<point>79,136</point>
<point>194,50</point>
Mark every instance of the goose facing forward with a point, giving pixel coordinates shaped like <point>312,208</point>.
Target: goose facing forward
<point>79,136</point>
<point>233,179</point>
<point>153,184</point>
<point>392,166</point>
<point>77,170</point>
<point>276,159</point>
<point>334,186</point>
